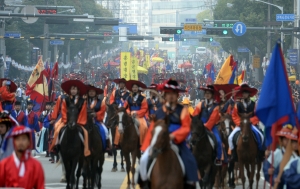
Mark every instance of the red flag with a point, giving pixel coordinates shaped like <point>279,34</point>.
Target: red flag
<point>54,72</point>
<point>37,84</point>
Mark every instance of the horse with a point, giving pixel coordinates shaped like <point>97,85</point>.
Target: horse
<point>93,165</point>
<point>224,130</point>
<point>247,151</point>
<point>71,148</point>
<point>167,172</point>
<point>129,143</point>
<point>111,122</point>
<point>203,152</point>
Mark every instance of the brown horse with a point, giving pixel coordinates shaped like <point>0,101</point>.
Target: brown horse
<point>247,151</point>
<point>129,142</point>
<point>224,130</point>
<point>93,163</point>
<point>204,153</point>
<point>167,172</point>
<point>111,122</point>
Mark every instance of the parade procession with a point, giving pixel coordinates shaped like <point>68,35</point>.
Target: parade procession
<point>151,95</point>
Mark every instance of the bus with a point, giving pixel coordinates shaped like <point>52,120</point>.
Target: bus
<point>201,50</point>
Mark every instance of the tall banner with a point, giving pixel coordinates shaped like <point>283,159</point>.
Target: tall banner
<point>134,66</point>
<point>125,65</point>
<point>147,61</point>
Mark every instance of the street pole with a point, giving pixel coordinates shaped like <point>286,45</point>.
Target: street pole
<point>45,41</point>
<point>269,33</point>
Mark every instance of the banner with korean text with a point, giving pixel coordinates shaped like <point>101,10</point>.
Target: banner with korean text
<point>125,65</point>
<point>133,69</point>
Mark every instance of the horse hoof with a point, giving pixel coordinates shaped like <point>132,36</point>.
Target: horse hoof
<point>114,169</point>
<point>122,169</point>
<point>63,180</point>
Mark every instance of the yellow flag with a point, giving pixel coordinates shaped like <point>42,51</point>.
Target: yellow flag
<point>225,72</point>
<point>147,61</point>
<point>133,69</point>
<point>125,65</point>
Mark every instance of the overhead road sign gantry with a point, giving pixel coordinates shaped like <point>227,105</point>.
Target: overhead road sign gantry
<point>192,27</point>
<point>239,29</point>
<point>171,30</point>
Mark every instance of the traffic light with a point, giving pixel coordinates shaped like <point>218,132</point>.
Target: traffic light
<point>171,30</point>
<point>209,39</point>
<point>216,32</point>
<point>167,39</point>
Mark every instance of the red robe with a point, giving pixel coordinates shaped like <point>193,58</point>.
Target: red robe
<point>33,177</point>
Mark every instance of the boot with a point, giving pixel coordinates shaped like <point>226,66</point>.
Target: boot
<point>108,147</point>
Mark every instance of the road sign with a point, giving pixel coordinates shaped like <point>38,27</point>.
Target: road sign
<point>57,42</point>
<point>192,27</point>
<point>215,44</point>
<point>191,20</point>
<point>177,37</point>
<point>285,17</point>
<point>256,61</point>
<point>239,29</point>
<point>293,56</point>
<point>243,49</point>
<point>12,34</point>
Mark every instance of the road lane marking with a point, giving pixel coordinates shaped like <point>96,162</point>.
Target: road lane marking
<point>124,183</point>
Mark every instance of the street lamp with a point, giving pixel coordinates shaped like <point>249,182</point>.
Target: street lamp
<point>281,9</point>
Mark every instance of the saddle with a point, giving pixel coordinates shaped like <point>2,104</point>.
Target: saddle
<point>151,162</point>
<point>62,132</point>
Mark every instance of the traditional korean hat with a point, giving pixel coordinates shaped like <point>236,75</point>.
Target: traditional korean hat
<point>245,88</point>
<point>6,118</point>
<point>118,81</point>
<point>152,86</point>
<point>286,130</point>
<point>293,135</point>
<point>170,86</point>
<point>129,84</point>
<point>66,86</point>
<point>96,89</point>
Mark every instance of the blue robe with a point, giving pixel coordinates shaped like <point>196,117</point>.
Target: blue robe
<point>291,174</point>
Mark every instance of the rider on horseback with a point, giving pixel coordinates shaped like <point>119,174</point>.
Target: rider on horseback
<point>245,106</point>
<point>208,112</point>
<point>137,106</point>
<point>179,129</point>
<point>153,102</point>
<point>75,90</point>
<point>98,109</point>
<point>119,96</point>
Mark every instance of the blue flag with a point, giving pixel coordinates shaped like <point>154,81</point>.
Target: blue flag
<point>232,78</point>
<point>275,105</point>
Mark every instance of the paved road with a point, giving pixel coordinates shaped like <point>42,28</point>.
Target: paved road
<point>110,180</point>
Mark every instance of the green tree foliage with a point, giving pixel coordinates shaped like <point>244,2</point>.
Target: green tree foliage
<point>206,14</point>
<point>253,14</point>
<point>37,29</point>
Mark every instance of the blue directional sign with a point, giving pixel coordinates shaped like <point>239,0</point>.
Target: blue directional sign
<point>191,20</point>
<point>239,29</point>
<point>285,17</point>
<point>243,49</point>
<point>57,42</point>
<point>12,34</point>
<point>293,56</point>
<point>177,37</point>
<point>131,28</point>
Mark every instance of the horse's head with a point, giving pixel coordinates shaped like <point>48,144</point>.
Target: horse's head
<point>160,137</point>
<point>198,130</point>
<point>245,126</point>
<point>111,115</point>
<point>225,124</point>
<point>72,118</point>
<point>121,118</point>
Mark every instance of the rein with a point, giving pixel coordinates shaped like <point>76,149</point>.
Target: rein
<point>199,137</point>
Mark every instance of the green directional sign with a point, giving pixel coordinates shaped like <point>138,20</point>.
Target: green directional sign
<point>224,25</point>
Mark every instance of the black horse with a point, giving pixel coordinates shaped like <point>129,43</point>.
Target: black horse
<point>71,144</point>
<point>111,122</point>
<point>93,164</point>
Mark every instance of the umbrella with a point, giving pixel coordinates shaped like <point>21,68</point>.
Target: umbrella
<point>227,88</point>
<point>157,59</point>
<point>112,64</point>
<point>140,69</point>
<point>185,65</point>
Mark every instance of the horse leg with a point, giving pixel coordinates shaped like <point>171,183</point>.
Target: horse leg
<point>258,173</point>
<point>133,157</point>
<point>223,175</point>
<point>241,167</point>
<point>218,178</point>
<point>68,174</point>
<point>114,151</point>
<point>73,169</point>
<point>78,173</point>
<point>237,173</point>
<point>252,172</point>
<point>122,161</point>
<point>100,169</point>
<point>205,178</point>
<point>128,166</point>
<point>93,172</point>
